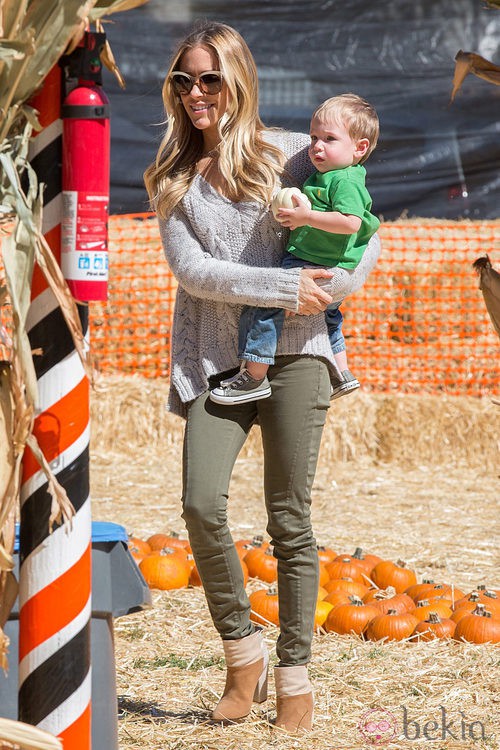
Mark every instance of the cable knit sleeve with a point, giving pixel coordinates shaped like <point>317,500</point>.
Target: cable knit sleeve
<point>218,278</point>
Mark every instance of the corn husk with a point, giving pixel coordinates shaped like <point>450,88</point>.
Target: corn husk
<point>28,737</point>
<point>470,62</point>
<point>33,36</point>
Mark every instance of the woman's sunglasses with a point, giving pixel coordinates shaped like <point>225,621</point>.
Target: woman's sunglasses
<point>208,83</point>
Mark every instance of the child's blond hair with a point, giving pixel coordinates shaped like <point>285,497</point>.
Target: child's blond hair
<point>355,114</point>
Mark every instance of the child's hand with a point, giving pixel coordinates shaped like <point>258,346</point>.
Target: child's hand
<point>294,217</point>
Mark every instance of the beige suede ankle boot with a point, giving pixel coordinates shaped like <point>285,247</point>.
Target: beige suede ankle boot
<point>294,699</point>
<point>247,662</point>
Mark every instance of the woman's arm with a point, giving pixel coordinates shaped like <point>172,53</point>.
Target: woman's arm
<point>201,275</point>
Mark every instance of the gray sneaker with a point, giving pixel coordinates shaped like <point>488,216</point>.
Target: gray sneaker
<point>346,385</point>
<point>240,389</point>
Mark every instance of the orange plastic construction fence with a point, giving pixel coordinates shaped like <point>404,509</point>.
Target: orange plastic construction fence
<point>419,325</point>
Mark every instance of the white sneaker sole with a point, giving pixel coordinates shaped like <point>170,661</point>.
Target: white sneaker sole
<point>240,399</point>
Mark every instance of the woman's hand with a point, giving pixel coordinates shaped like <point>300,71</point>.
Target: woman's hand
<point>312,299</point>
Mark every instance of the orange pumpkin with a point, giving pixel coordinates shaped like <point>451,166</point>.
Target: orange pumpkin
<point>419,588</point>
<point>322,594</point>
<point>346,584</point>
<point>346,567</point>
<point>194,577</point>
<point>352,617</point>
<point>165,569</point>
<point>434,627</point>
<point>262,564</point>
<point>388,573</point>
<point>442,591</point>
<point>159,541</point>
<point>326,554</point>
<point>478,627</point>
<point>391,626</point>
<point>386,599</point>
<point>337,597</point>
<point>265,606</point>
<point>366,560</point>
<point>457,614</point>
<point>488,598</point>
<point>242,546</point>
<point>424,608</point>
<point>138,548</point>
<point>323,575</point>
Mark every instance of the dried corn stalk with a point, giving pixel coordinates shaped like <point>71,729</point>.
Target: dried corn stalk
<point>470,62</point>
<point>33,36</point>
<point>489,284</point>
<point>25,736</point>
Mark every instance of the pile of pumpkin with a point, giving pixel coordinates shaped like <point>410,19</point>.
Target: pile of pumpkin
<point>358,594</point>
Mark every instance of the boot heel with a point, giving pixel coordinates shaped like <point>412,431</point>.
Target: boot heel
<point>260,693</point>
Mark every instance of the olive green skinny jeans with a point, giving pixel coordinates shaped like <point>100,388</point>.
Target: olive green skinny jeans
<point>291,422</point>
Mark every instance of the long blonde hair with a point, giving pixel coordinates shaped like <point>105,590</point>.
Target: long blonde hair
<point>249,166</point>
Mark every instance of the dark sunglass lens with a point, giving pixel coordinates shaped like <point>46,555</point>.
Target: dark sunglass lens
<point>182,84</point>
<point>211,82</point>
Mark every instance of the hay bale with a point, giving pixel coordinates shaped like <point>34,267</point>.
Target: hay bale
<point>454,430</point>
<point>129,414</point>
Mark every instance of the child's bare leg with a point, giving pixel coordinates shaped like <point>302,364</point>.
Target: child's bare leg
<point>340,360</point>
<point>257,370</point>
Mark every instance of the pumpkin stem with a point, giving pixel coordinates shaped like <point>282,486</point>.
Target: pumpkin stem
<point>401,564</point>
<point>358,553</point>
<point>423,603</point>
<point>387,593</point>
<point>392,612</point>
<point>433,617</point>
<point>481,611</point>
<point>272,591</point>
<point>356,601</point>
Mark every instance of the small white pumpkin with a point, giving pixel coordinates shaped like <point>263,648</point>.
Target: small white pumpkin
<point>283,199</point>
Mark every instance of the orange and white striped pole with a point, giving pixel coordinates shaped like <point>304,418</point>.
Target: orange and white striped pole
<point>55,567</point>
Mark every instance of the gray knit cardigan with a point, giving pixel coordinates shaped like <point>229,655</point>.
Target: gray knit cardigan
<point>225,255</point>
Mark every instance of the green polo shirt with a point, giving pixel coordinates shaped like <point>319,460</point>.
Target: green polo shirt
<point>340,190</point>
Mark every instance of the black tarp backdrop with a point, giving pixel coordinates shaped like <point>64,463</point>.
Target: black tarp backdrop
<point>433,159</point>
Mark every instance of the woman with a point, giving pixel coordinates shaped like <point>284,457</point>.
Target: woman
<point>215,174</point>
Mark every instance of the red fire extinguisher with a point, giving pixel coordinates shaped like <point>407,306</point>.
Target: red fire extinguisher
<point>85,174</point>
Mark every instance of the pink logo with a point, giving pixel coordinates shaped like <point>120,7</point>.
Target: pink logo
<point>378,726</point>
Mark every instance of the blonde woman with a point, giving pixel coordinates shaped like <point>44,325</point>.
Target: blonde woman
<point>211,184</point>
